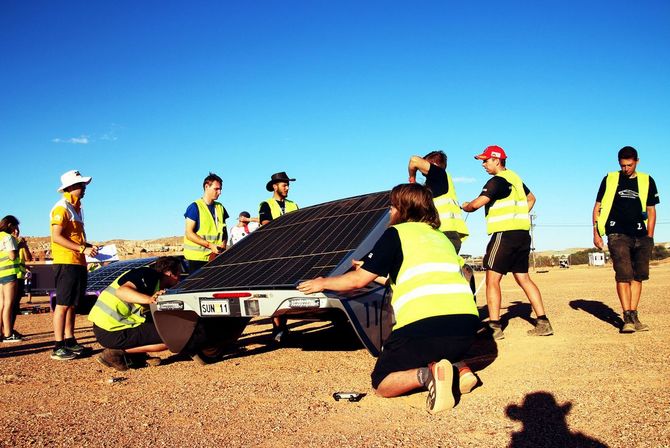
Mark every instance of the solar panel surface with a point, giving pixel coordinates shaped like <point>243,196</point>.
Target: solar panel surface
<point>308,243</point>
<point>101,278</point>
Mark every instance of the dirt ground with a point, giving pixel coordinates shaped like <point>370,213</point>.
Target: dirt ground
<point>587,385</point>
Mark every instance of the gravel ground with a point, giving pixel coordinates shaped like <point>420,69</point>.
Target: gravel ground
<point>587,385</point>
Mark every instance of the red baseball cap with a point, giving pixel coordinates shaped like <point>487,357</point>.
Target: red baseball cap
<point>492,151</point>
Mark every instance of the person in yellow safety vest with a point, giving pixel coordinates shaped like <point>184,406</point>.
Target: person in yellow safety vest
<point>206,234</point>
<point>436,318</point>
<point>9,269</point>
<point>269,210</point>
<point>625,210</point>
<point>434,166</point>
<point>24,256</point>
<point>122,322</point>
<point>507,203</point>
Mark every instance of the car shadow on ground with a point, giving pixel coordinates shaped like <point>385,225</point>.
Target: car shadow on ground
<point>598,309</point>
<point>545,425</point>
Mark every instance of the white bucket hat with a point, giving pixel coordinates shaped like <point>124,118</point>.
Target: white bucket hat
<point>73,177</point>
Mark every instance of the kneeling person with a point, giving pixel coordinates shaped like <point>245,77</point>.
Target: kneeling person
<point>435,315</point>
<point>121,318</point>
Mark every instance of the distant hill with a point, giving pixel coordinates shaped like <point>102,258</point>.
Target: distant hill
<point>40,246</point>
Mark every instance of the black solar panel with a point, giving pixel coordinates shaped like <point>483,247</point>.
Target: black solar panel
<point>101,278</point>
<point>308,243</point>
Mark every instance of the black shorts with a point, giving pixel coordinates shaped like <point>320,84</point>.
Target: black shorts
<point>70,284</point>
<point>428,340</point>
<point>508,251</point>
<point>145,334</point>
<point>630,256</point>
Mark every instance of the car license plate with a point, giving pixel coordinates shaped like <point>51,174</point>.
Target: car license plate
<point>214,307</point>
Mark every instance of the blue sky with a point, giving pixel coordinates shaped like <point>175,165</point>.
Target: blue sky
<point>148,97</point>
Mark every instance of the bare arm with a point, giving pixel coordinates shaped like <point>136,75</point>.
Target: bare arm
<point>345,282</point>
<point>475,204</point>
<point>128,293</point>
<point>597,239</point>
<point>23,244</point>
<point>60,239</point>
<point>530,197</point>
<point>417,163</point>
<point>651,220</point>
<point>195,238</point>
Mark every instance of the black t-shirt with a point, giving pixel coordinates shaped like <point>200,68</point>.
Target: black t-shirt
<point>436,180</point>
<point>498,188</point>
<point>264,212</point>
<point>386,257</point>
<point>626,215</point>
<point>145,279</point>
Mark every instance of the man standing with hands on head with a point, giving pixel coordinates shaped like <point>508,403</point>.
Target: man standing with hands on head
<point>269,210</point>
<point>206,234</point>
<point>625,210</point>
<point>69,250</point>
<point>507,203</point>
<point>434,166</point>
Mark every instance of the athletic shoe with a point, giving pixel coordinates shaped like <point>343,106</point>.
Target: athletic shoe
<point>14,337</point>
<point>466,380</point>
<point>114,358</point>
<point>62,354</point>
<point>440,380</point>
<point>542,328</point>
<point>496,330</point>
<point>76,348</point>
<point>628,323</point>
<point>639,326</point>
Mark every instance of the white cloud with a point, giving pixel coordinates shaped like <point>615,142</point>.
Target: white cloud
<point>81,140</point>
<point>464,180</point>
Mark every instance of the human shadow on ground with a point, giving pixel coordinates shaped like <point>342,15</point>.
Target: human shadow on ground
<point>517,309</point>
<point>28,348</point>
<point>599,310</point>
<point>544,424</point>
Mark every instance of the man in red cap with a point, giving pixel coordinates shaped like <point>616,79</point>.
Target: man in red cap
<point>507,203</point>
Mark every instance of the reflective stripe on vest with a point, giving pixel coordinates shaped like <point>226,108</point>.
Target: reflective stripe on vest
<point>210,228</point>
<point>275,209</point>
<point>611,185</point>
<point>447,206</point>
<point>8,268</point>
<point>511,212</point>
<point>430,282</point>
<point>113,314</point>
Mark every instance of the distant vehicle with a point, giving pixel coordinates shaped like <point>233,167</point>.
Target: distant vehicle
<point>258,276</point>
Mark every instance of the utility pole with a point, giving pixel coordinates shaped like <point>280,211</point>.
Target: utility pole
<point>532,240</point>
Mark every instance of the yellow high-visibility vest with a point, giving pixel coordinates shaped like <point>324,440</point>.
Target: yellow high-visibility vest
<point>210,228</point>
<point>451,218</point>
<point>113,314</point>
<point>511,212</point>
<point>8,268</point>
<point>429,282</point>
<point>611,185</point>
<point>289,206</point>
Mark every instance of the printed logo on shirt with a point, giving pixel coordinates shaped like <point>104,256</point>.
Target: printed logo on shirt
<point>370,255</point>
<point>629,194</point>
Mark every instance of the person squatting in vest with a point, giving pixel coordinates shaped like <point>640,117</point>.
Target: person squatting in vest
<point>625,211</point>
<point>269,210</point>
<point>436,318</point>
<point>122,322</point>
<point>9,270</point>
<point>434,166</point>
<point>206,234</point>
<point>507,203</point>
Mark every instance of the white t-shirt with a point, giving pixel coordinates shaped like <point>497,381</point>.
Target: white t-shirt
<point>8,243</point>
<point>237,233</point>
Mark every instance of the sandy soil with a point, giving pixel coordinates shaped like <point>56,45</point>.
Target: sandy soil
<point>587,385</point>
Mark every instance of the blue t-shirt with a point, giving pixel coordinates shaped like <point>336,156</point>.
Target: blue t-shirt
<point>193,214</point>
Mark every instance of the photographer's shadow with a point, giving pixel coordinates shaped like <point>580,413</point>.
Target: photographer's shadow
<point>599,310</point>
<point>544,424</point>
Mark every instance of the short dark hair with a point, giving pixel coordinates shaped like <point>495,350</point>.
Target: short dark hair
<point>211,178</point>
<point>414,203</point>
<point>245,214</point>
<point>7,222</point>
<point>439,158</point>
<point>627,152</point>
<point>164,264</point>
